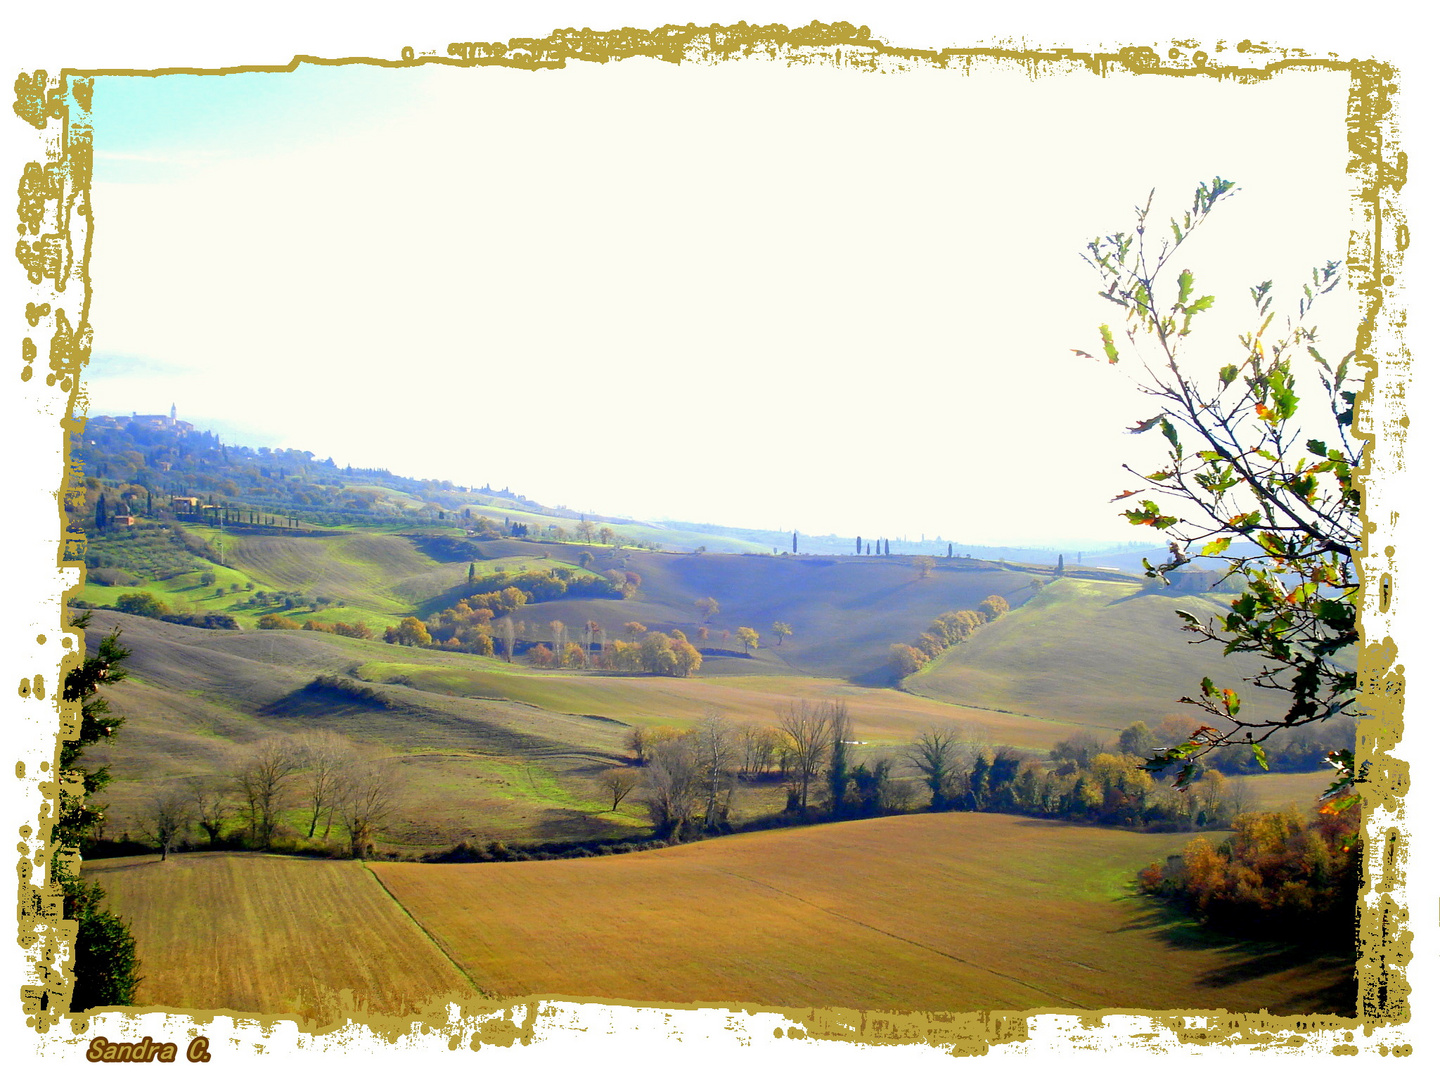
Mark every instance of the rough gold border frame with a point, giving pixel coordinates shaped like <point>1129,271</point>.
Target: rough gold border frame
<point>55,221</point>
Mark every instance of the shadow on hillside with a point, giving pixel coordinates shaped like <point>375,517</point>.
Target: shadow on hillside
<point>1327,974</point>
<point>562,823</point>
<point>873,599</point>
<point>878,677</point>
<point>1166,594</point>
<point>313,701</point>
<point>447,599</point>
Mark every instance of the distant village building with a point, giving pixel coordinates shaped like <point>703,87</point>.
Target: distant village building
<point>123,519</point>
<point>160,422</point>
<point>186,503</point>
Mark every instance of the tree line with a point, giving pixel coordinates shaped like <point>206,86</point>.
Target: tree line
<point>686,778</point>
<point>331,784</point>
<point>946,631</point>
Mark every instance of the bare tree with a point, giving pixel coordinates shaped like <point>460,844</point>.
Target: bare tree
<point>593,633</point>
<point>671,786</point>
<point>615,784</point>
<point>167,819</point>
<point>935,754</point>
<point>717,753</point>
<point>323,755</point>
<point>210,803</point>
<point>506,626</point>
<point>263,781</point>
<point>1240,798</point>
<point>805,729</point>
<point>368,792</point>
<point>758,743</point>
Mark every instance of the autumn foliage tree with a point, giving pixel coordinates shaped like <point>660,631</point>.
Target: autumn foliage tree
<point>992,607</point>
<point>1244,461</point>
<point>1278,875</point>
<point>410,631</point>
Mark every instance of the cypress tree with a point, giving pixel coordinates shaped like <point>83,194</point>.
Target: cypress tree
<point>100,513</point>
<point>887,547</point>
<point>857,545</point>
<point>795,542</point>
<point>104,970</point>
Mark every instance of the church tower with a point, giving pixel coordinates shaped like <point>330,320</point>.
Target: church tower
<point>172,412</point>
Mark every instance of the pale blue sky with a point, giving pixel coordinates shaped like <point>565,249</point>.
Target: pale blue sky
<point>150,129</point>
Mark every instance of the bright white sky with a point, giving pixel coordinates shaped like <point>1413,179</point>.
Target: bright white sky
<point>751,294</point>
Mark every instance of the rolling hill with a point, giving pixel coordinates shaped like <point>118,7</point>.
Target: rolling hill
<point>486,749</point>
<point>1101,654</point>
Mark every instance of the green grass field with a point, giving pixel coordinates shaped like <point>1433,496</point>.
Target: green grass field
<point>881,715</point>
<point>1275,791</point>
<point>1088,652</point>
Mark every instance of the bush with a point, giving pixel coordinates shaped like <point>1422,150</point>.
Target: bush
<point>141,604</point>
<point>211,620</point>
<point>277,622</point>
<point>110,575</point>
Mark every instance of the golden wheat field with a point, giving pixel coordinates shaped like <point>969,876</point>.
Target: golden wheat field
<point>270,934</point>
<point>949,912</point>
<point>946,912</point>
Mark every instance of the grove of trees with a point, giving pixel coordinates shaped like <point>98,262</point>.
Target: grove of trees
<point>946,631</point>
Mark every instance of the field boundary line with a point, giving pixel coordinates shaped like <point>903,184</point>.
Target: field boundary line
<point>901,937</point>
<point>428,936</point>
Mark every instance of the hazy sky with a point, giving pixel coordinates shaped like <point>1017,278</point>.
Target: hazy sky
<point>752,294</point>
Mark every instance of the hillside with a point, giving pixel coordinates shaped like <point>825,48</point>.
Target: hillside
<point>1090,652</point>
<point>934,913</point>
<point>845,612</point>
<point>142,463</point>
<point>198,699</point>
<point>486,749</point>
<point>509,751</point>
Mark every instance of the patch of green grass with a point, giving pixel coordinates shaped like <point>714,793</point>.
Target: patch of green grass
<point>1088,652</point>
